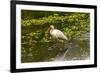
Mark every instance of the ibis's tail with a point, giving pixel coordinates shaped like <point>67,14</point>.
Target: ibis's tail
<point>65,37</point>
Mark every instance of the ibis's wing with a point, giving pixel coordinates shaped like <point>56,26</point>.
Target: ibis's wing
<point>60,34</point>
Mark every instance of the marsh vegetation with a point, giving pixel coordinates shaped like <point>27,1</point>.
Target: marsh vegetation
<point>38,46</point>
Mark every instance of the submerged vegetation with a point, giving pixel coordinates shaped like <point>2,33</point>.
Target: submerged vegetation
<point>38,46</point>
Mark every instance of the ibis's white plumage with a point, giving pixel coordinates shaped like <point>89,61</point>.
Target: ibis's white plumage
<point>55,33</point>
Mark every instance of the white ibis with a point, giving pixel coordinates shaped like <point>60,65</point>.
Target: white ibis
<point>55,33</point>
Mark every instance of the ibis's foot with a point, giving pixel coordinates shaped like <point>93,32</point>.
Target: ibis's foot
<point>55,46</point>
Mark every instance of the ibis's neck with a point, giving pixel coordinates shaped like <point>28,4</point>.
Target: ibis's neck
<point>51,30</point>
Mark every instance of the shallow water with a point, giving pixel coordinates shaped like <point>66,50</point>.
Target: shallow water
<point>56,51</point>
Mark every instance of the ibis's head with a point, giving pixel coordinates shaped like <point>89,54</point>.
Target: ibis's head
<point>50,28</point>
